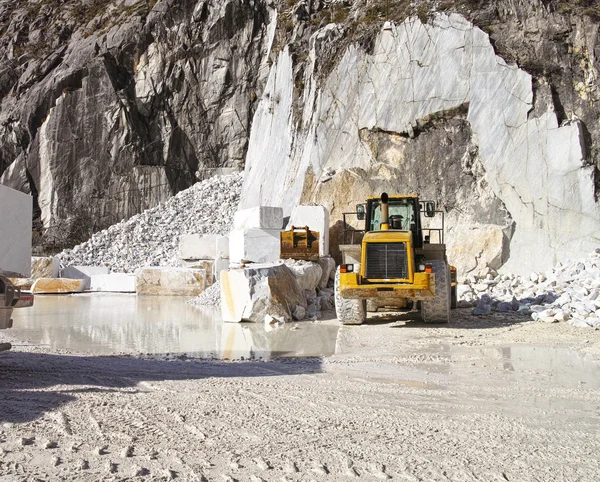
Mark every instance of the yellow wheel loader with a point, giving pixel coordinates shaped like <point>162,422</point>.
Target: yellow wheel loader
<point>396,264</point>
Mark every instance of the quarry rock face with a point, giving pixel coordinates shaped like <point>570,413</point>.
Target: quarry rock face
<point>106,112</point>
<point>431,109</point>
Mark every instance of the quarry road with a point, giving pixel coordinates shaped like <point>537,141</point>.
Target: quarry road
<point>491,398</point>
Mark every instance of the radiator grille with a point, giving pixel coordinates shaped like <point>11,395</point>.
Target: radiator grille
<point>386,261</point>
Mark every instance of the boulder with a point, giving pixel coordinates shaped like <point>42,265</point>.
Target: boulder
<point>57,285</point>
<point>327,264</point>
<point>473,248</point>
<point>170,281</point>
<point>251,293</point>
<point>308,274</point>
<point>203,246</point>
<point>22,283</point>
<point>206,264</point>
<point>15,225</point>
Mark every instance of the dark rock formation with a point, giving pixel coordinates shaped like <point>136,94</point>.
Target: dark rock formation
<point>111,107</point>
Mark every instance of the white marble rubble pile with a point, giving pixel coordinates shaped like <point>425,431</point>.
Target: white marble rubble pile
<point>569,292</point>
<point>151,238</point>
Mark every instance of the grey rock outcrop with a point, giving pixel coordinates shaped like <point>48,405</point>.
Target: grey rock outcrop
<point>139,101</point>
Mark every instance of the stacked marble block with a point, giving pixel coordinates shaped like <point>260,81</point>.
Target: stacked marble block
<point>208,252</point>
<point>255,237</point>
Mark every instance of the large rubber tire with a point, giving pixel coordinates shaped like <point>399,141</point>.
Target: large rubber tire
<point>349,312</point>
<point>453,298</point>
<point>437,310</point>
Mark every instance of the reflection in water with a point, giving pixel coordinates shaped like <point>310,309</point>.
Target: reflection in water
<point>567,368</point>
<point>117,323</point>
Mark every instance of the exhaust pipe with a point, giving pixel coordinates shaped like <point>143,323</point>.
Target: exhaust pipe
<point>385,218</point>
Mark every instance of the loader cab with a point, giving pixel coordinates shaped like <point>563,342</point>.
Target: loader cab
<point>403,212</point>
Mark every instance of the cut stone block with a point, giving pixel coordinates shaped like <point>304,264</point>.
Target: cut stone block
<point>83,272</point>
<point>113,282</point>
<point>203,246</point>
<point>254,245</point>
<point>170,281</point>
<point>15,226</point>
<point>57,285</point>
<point>317,219</point>
<point>222,247</point>
<point>252,293</point>
<point>206,264</point>
<point>262,217</point>
<point>45,267</point>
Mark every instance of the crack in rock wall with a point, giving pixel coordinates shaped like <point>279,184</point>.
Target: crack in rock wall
<point>534,172</point>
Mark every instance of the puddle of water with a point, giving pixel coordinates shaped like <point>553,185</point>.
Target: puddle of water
<point>564,367</point>
<point>118,323</point>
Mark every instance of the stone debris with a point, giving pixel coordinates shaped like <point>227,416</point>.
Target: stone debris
<point>569,292</point>
<point>211,296</point>
<point>151,238</point>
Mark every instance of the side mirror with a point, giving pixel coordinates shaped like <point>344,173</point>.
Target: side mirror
<point>429,209</point>
<point>360,212</point>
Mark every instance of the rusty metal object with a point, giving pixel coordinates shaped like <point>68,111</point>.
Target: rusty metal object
<point>299,243</point>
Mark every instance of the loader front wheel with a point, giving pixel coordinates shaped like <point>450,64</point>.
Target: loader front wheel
<point>349,312</point>
<point>437,310</point>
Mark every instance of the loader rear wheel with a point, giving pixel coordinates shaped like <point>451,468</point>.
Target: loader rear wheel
<point>349,312</point>
<point>437,310</point>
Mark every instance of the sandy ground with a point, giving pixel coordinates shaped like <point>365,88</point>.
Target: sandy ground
<point>487,399</point>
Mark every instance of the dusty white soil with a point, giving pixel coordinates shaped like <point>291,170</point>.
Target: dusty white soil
<point>491,398</point>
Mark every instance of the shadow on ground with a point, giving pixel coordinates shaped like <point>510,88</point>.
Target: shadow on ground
<point>35,383</point>
<point>460,318</point>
